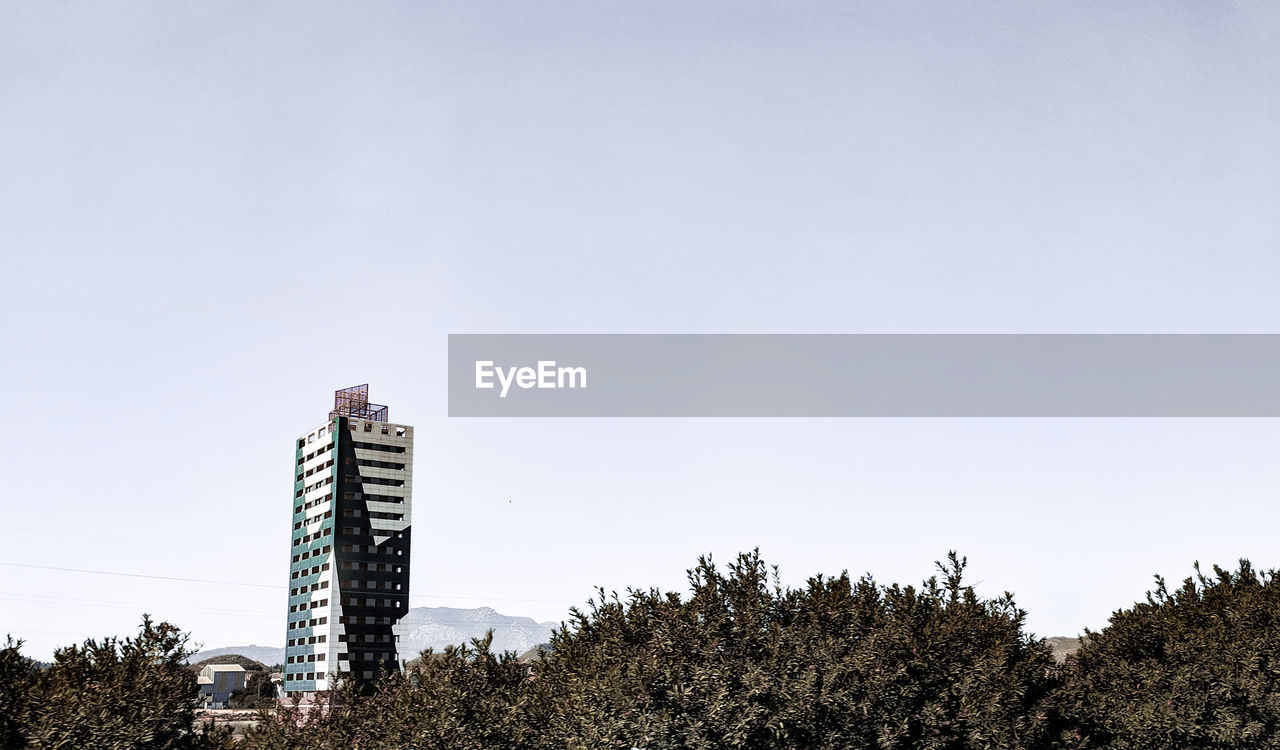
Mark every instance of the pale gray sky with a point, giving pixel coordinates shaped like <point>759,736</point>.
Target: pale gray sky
<point>214,214</point>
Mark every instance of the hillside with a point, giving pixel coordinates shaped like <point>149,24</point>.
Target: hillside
<point>1063,646</point>
<point>437,627</point>
<point>535,653</point>
<point>264,655</point>
<point>428,627</point>
<point>250,665</point>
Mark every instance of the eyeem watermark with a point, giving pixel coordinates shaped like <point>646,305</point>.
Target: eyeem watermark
<point>867,375</point>
<point>545,376</point>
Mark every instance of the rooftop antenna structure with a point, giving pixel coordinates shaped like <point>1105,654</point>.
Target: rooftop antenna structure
<point>354,403</point>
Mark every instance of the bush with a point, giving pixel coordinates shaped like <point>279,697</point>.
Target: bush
<point>742,662</point>
<point>746,663</point>
<point>17,680</point>
<point>259,692</point>
<point>130,694</point>
<point>1198,667</point>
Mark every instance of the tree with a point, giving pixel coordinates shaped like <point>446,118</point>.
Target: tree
<point>1195,667</point>
<point>17,680</point>
<point>259,691</point>
<point>466,697</point>
<point>130,694</point>
<point>744,662</point>
<point>293,726</point>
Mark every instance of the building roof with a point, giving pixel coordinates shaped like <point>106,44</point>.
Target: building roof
<point>224,667</point>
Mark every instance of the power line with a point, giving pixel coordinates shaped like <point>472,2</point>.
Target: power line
<point>140,575</point>
<point>236,583</point>
<point>228,612</point>
<point>127,539</point>
<point>268,585</point>
<point>117,603</point>
<point>10,631</point>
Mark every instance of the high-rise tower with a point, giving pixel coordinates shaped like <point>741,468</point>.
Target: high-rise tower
<point>349,575</point>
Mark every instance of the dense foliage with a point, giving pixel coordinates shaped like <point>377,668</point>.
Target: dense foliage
<point>17,680</point>
<point>259,691</point>
<point>1196,667</point>
<point>739,662</point>
<point>465,697</point>
<point>123,694</point>
<point>743,662</point>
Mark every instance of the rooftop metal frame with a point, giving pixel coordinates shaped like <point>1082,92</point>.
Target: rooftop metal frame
<point>354,402</point>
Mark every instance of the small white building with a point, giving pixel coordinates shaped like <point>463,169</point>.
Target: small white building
<point>218,682</point>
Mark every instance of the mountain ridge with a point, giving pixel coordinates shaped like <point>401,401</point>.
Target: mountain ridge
<point>428,627</point>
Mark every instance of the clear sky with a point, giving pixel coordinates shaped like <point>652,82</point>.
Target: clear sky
<point>212,215</point>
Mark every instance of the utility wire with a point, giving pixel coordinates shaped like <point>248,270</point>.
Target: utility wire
<point>43,599</point>
<point>140,575</point>
<point>267,585</point>
<point>234,583</point>
<point>180,545</point>
<point>212,610</point>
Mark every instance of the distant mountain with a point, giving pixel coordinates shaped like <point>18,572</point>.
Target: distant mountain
<point>265,655</point>
<point>535,653</point>
<point>1063,646</point>
<point>250,665</point>
<point>437,627</point>
<point>429,627</point>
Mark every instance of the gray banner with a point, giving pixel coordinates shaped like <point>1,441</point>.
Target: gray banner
<point>661,375</point>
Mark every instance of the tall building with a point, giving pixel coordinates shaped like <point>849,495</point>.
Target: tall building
<point>349,576</point>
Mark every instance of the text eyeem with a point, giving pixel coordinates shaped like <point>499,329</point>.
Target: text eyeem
<point>544,376</point>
